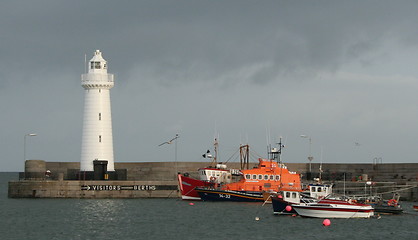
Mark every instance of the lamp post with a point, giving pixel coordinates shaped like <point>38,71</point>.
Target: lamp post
<point>24,143</point>
<point>310,158</point>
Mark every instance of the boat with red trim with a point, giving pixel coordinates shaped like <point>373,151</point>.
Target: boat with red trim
<point>315,191</point>
<point>207,177</point>
<point>332,208</point>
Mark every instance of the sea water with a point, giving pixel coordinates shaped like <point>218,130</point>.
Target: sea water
<point>177,219</point>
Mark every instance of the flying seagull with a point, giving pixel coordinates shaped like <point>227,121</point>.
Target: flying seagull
<point>171,141</point>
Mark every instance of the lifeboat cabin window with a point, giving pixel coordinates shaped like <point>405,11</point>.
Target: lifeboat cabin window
<point>266,177</point>
<point>254,176</point>
<point>260,177</point>
<point>277,177</point>
<point>271,177</point>
<point>248,176</point>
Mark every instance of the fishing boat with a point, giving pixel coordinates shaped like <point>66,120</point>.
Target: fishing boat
<point>391,206</point>
<point>415,207</point>
<point>313,193</point>
<point>210,177</point>
<point>331,208</point>
<point>269,175</point>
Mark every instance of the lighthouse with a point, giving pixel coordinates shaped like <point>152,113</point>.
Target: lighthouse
<point>97,140</point>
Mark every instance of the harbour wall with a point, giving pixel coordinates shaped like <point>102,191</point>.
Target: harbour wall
<point>400,173</point>
<point>92,189</point>
<point>63,181</point>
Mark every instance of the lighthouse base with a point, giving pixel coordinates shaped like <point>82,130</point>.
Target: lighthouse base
<point>92,175</point>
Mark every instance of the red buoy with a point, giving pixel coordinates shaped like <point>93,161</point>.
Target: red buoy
<point>288,208</point>
<point>326,222</point>
<point>191,204</point>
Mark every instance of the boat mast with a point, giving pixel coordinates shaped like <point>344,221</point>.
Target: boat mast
<point>275,153</point>
<point>244,154</point>
<point>215,157</point>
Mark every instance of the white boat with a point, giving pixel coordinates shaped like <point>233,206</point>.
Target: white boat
<point>330,208</point>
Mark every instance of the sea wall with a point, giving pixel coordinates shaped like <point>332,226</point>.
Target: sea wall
<point>400,173</point>
<point>62,180</point>
<point>92,189</point>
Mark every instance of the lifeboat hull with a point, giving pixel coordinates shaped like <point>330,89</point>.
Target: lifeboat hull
<point>227,195</point>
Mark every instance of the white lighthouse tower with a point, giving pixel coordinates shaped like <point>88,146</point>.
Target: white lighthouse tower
<point>97,140</point>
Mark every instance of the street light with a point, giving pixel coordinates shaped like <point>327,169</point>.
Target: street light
<point>24,143</point>
<point>310,158</point>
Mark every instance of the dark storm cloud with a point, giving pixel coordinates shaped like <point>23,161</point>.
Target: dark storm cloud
<point>293,36</point>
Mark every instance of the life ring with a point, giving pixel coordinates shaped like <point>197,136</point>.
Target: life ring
<point>392,202</point>
<point>212,179</point>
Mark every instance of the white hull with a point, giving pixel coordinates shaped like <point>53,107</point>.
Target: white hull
<point>334,211</point>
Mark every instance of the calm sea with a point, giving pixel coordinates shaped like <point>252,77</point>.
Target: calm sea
<point>176,219</point>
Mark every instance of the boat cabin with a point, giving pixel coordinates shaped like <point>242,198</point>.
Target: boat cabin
<point>218,174</point>
<point>319,191</point>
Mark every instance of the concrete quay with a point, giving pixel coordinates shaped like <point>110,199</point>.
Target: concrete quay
<point>159,179</point>
<point>92,189</point>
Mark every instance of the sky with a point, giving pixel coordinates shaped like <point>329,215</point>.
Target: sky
<point>343,73</point>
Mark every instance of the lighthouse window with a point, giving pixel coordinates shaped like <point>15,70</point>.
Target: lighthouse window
<point>104,66</point>
<point>91,65</point>
<point>97,65</point>
<point>100,116</point>
<point>100,138</point>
